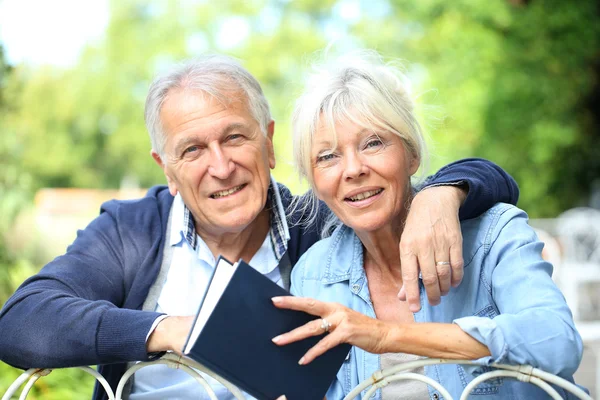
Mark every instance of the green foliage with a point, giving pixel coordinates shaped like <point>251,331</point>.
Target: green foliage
<point>60,384</point>
<point>516,82</point>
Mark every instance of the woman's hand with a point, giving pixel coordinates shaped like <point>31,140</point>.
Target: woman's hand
<point>431,244</point>
<point>346,326</point>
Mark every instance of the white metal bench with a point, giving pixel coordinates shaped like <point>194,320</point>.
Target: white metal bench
<point>379,379</point>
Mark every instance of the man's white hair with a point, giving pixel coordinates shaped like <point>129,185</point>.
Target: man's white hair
<point>218,76</point>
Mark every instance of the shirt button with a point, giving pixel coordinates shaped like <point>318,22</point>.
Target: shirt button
<point>355,288</point>
<point>436,396</point>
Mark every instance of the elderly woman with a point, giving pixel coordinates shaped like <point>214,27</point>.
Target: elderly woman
<point>358,143</point>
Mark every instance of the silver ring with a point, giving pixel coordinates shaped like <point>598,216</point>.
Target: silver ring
<point>442,263</point>
<point>325,325</point>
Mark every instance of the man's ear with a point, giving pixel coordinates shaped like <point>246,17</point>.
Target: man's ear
<point>158,160</point>
<point>270,147</point>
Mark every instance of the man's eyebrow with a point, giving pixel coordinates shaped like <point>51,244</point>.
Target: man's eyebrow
<point>233,127</point>
<point>184,142</point>
<point>194,139</point>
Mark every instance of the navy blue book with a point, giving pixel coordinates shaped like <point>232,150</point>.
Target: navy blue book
<point>233,331</point>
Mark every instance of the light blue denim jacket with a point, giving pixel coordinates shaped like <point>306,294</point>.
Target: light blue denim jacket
<point>507,300</point>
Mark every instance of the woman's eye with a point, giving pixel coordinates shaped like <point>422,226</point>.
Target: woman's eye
<point>374,143</point>
<point>325,157</point>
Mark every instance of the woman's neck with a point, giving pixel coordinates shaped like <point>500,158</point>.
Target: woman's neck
<point>382,248</point>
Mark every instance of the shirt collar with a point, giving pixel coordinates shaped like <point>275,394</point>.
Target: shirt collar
<point>183,227</point>
<point>344,259</point>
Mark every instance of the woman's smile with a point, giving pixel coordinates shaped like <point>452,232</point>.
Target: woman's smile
<point>363,198</point>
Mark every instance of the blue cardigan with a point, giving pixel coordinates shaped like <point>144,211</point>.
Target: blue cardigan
<point>84,307</point>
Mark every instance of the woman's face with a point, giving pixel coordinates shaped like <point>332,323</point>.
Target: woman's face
<point>365,179</point>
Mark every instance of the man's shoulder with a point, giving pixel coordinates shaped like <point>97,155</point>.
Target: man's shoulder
<point>157,200</point>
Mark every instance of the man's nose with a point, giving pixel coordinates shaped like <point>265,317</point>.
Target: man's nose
<point>221,165</point>
<point>354,166</point>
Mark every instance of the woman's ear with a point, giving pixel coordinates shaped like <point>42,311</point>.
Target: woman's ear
<point>414,164</point>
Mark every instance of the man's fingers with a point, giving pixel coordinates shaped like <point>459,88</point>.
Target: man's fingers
<point>410,280</point>
<point>402,294</point>
<point>444,273</point>
<point>457,263</point>
<point>429,275</point>
<point>442,261</point>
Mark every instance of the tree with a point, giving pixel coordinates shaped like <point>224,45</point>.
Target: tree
<point>517,81</point>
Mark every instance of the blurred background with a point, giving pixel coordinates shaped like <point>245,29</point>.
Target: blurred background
<point>514,81</point>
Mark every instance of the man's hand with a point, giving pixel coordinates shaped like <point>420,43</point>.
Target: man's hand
<point>170,335</point>
<point>432,244</point>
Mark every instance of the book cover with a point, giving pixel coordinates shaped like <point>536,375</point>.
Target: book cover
<point>235,341</point>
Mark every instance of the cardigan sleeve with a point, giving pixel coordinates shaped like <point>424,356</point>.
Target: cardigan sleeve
<point>487,184</point>
<point>75,310</point>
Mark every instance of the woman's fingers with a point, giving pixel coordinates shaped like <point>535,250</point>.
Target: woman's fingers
<point>311,306</point>
<point>325,344</point>
<point>312,328</point>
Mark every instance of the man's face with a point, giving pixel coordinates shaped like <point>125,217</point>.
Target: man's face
<point>217,158</point>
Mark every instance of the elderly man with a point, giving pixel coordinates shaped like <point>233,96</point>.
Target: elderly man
<point>128,287</point>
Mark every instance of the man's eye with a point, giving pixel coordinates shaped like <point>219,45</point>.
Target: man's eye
<point>233,136</point>
<point>191,149</point>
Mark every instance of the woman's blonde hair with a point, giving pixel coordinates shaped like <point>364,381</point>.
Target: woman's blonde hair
<point>361,88</point>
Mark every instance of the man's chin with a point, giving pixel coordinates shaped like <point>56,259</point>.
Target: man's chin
<point>236,223</point>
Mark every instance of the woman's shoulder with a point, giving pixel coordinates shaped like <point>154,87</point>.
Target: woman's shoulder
<point>499,221</point>
<point>497,217</point>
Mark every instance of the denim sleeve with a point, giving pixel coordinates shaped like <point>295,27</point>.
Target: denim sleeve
<point>488,184</point>
<point>534,325</point>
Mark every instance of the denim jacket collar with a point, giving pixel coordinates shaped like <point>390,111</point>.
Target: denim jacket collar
<point>342,265</point>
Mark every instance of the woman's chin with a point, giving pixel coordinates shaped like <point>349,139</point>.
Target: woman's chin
<point>368,226</point>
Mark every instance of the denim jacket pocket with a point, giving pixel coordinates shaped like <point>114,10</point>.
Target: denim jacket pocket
<point>489,386</point>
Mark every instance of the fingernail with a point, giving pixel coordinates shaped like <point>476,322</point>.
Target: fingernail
<point>301,362</point>
<point>414,308</point>
<point>276,299</point>
<point>276,339</point>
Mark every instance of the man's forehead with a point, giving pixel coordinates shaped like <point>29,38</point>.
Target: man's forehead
<point>190,104</point>
<point>223,97</point>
